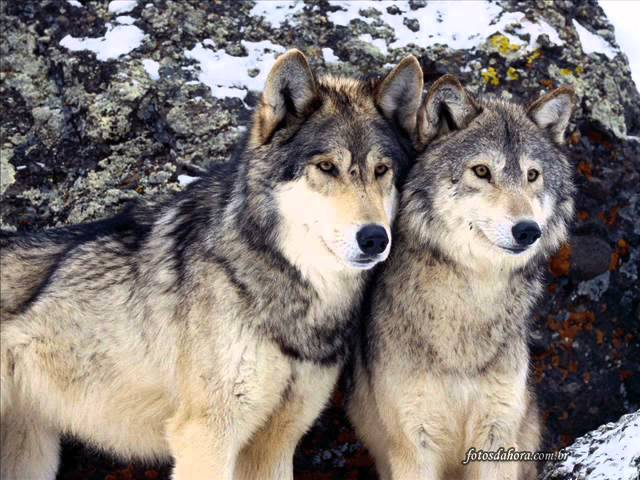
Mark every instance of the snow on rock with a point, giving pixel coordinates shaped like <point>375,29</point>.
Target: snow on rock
<point>379,43</point>
<point>276,12</point>
<point>445,22</point>
<point>125,20</point>
<point>610,452</point>
<point>329,56</point>
<point>152,68</point>
<point>185,180</point>
<point>74,3</point>
<point>118,40</point>
<point>230,76</point>
<point>592,43</point>
<point>122,6</point>
<point>623,14</point>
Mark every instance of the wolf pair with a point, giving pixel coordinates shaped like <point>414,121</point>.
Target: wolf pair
<point>211,327</point>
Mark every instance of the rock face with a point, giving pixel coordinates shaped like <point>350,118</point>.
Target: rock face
<point>611,451</point>
<point>103,102</point>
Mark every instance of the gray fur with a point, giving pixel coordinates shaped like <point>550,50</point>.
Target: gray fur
<point>202,327</point>
<point>443,361</point>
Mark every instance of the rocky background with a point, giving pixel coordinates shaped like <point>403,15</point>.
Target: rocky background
<point>102,102</point>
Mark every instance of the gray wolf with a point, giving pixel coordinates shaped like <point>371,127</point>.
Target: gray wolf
<point>443,362</point>
<point>210,326</point>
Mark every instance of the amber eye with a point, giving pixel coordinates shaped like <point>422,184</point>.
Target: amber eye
<point>381,169</point>
<point>532,175</point>
<point>326,166</point>
<point>482,171</point>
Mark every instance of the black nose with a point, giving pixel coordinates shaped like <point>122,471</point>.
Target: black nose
<point>526,233</point>
<point>372,239</point>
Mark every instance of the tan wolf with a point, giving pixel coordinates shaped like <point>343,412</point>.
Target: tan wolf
<point>443,362</point>
<point>211,326</point>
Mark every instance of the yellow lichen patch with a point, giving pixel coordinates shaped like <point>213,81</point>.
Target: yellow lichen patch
<point>565,72</point>
<point>512,74</point>
<point>579,70</point>
<point>533,57</point>
<point>490,76</point>
<point>503,45</point>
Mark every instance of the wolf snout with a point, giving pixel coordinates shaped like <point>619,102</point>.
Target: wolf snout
<point>526,233</point>
<point>372,239</point>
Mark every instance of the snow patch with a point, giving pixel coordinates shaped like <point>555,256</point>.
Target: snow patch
<point>125,20</point>
<point>592,43</point>
<point>122,6</point>
<point>185,180</point>
<point>623,14</point>
<point>276,12</point>
<point>444,22</point>
<point>329,56</point>
<point>74,3</point>
<point>118,40</point>
<point>152,68</point>
<point>379,43</point>
<point>229,76</point>
<point>606,453</point>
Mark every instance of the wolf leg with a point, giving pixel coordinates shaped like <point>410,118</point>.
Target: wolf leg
<point>490,440</point>
<point>269,454</point>
<point>203,449</point>
<point>530,435</point>
<point>28,449</point>
<point>408,464</point>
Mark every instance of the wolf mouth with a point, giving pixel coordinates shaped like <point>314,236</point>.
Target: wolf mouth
<point>361,263</point>
<point>514,250</point>
<point>365,263</point>
<point>510,250</point>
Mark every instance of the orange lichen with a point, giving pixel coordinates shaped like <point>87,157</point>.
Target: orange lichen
<point>613,216</point>
<point>548,84</point>
<point>585,169</point>
<point>614,262</point>
<point>559,264</point>
<point>623,247</point>
<point>583,215</point>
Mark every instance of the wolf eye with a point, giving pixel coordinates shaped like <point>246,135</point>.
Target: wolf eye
<point>327,167</point>
<point>381,169</point>
<point>532,175</point>
<point>482,171</point>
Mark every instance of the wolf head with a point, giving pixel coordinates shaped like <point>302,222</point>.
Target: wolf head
<point>324,157</point>
<point>494,186</point>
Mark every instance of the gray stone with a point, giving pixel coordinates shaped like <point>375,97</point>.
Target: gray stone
<point>590,257</point>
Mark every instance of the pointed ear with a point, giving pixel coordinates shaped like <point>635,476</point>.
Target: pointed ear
<point>447,107</point>
<point>290,92</point>
<point>553,111</point>
<point>399,94</point>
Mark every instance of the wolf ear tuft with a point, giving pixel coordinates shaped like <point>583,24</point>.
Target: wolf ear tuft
<point>399,94</point>
<point>553,111</point>
<point>290,92</point>
<point>447,107</point>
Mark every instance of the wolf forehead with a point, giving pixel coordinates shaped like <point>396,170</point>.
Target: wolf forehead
<point>504,138</point>
<point>345,120</point>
